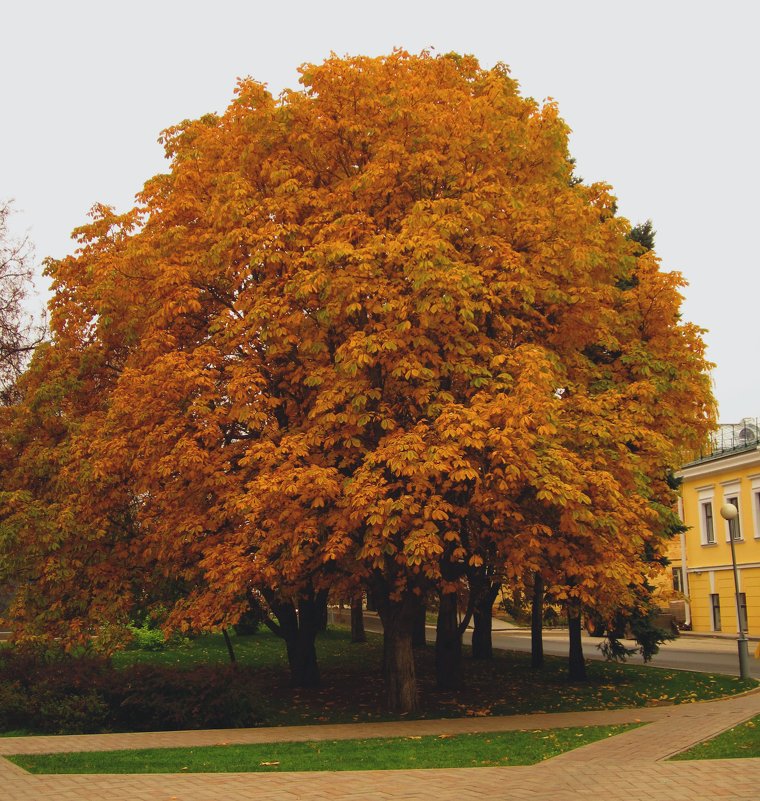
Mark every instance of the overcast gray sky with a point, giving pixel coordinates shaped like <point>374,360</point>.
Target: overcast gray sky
<point>661,96</point>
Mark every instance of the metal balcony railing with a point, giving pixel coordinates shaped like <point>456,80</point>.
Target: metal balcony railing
<point>732,438</point>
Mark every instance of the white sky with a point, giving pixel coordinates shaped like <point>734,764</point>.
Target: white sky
<point>661,97</point>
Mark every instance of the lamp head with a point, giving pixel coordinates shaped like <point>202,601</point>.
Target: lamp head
<point>728,511</point>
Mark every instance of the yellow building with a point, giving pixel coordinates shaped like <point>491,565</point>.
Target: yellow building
<point>729,473</point>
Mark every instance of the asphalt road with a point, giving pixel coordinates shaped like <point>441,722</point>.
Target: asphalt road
<point>687,652</point>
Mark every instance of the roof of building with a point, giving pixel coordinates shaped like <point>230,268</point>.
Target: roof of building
<point>730,439</point>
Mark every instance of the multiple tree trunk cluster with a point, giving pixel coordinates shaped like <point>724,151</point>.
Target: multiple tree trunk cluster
<point>404,630</point>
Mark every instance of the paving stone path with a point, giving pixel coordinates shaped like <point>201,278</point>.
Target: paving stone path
<point>629,766</point>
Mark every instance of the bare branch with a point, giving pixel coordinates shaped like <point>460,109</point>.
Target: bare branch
<point>20,331</point>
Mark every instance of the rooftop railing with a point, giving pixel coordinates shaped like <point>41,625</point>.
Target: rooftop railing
<point>732,438</point>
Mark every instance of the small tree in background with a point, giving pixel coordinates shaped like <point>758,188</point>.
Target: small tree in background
<point>19,331</point>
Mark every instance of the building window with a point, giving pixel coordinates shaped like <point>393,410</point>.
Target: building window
<point>678,579</point>
<point>715,606</point>
<point>708,525</point>
<point>756,511</point>
<point>734,527</point>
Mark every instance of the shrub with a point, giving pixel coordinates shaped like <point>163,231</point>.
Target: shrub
<point>146,639</point>
<point>61,694</point>
<point>149,638</point>
<point>56,711</point>
<point>150,698</point>
<point>13,705</point>
<point>249,623</point>
<point>52,692</point>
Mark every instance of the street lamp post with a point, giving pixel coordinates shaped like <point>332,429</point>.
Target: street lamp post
<point>729,512</point>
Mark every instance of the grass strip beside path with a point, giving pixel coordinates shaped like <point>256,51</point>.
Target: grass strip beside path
<point>741,741</point>
<point>524,747</point>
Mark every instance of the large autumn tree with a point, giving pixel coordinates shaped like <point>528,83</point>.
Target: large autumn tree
<point>368,330</point>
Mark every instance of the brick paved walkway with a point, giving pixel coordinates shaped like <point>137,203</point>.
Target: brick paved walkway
<point>629,766</point>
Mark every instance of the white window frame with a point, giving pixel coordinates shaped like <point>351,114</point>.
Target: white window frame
<point>677,578</point>
<point>706,496</point>
<point>731,494</point>
<point>716,622</point>
<point>756,505</point>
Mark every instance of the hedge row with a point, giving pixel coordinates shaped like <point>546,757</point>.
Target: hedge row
<point>67,695</point>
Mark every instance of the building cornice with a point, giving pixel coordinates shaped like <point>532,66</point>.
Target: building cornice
<point>720,464</point>
<point>708,568</point>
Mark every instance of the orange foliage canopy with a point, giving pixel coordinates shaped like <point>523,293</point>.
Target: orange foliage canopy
<point>370,328</point>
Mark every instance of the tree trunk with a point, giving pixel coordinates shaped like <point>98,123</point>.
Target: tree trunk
<point>320,611</point>
<point>419,633</point>
<point>287,617</point>
<point>448,645</point>
<point>576,663</point>
<point>228,643</point>
<point>401,694</point>
<point>299,630</point>
<point>299,643</point>
<point>357,620</point>
<point>310,616</point>
<point>537,623</point>
<point>482,623</point>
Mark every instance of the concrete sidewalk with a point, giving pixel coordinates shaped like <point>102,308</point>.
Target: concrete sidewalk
<point>629,766</point>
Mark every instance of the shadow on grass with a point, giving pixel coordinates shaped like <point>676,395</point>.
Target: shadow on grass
<point>351,688</point>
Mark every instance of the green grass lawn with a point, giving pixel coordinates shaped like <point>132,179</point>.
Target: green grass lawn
<point>261,650</point>
<point>352,684</point>
<point>741,741</point>
<point>398,753</point>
